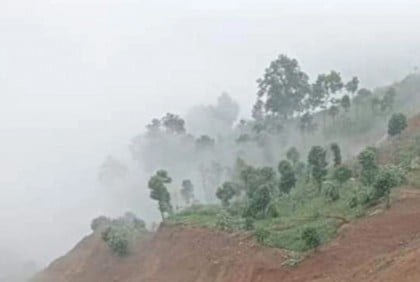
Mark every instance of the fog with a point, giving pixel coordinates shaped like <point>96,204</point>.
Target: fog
<point>79,79</point>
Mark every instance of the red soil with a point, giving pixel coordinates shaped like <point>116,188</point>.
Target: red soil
<point>381,247</point>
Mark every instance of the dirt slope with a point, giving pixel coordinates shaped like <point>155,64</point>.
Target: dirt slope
<point>381,247</point>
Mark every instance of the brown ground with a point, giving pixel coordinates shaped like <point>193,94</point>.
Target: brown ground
<point>382,247</point>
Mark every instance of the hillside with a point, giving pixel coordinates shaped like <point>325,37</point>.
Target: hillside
<point>361,228</point>
<point>380,247</point>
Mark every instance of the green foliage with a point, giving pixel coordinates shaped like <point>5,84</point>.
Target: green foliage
<point>397,124</point>
<point>345,103</point>
<point>261,234</point>
<point>352,85</point>
<point>117,240</point>
<point>342,174</point>
<point>318,164</point>
<point>282,89</point>
<point>249,223</point>
<point>253,178</point>
<point>159,192</point>
<point>259,202</point>
<point>387,178</point>
<point>226,192</point>
<point>337,154</point>
<point>288,178</point>
<point>224,221</point>
<point>311,237</point>
<point>331,192</point>
<point>187,191</point>
<point>369,165</point>
<point>120,233</point>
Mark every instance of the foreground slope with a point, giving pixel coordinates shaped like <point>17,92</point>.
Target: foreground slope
<point>381,247</point>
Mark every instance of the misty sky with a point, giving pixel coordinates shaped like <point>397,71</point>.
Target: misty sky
<point>79,78</point>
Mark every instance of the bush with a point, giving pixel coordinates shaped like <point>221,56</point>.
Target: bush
<point>311,237</point>
<point>331,192</point>
<point>119,233</point>
<point>261,234</point>
<point>100,223</point>
<point>397,124</point>
<point>249,223</point>
<point>224,221</point>
<point>117,239</point>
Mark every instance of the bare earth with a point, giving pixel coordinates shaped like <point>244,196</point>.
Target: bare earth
<point>384,246</point>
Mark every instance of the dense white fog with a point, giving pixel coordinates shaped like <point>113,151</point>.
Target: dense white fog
<point>79,79</point>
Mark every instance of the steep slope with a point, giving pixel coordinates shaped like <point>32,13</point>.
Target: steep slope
<point>380,247</point>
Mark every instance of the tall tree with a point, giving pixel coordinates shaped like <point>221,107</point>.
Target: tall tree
<point>317,160</point>
<point>336,153</point>
<point>225,193</point>
<point>287,176</point>
<point>159,192</point>
<point>369,165</point>
<point>333,111</point>
<point>282,89</point>
<point>346,103</point>
<point>352,85</point>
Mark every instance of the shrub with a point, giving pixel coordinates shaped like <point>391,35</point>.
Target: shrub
<point>331,192</point>
<point>369,163</point>
<point>342,174</point>
<point>388,178</point>
<point>224,221</point>
<point>117,239</point>
<point>249,223</point>
<point>119,233</point>
<point>100,223</point>
<point>311,237</point>
<point>397,124</point>
<point>261,234</point>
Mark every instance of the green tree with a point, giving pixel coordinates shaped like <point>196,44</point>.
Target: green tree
<point>387,179</point>
<point>293,155</point>
<point>282,89</point>
<point>259,202</point>
<point>369,166</point>
<point>345,103</point>
<point>317,160</point>
<point>333,111</point>
<point>159,192</point>
<point>336,153</point>
<point>311,238</point>
<point>397,124</point>
<point>225,193</point>
<point>288,178</point>
<point>342,174</point>
<point>352,85</point>
<point>187,191</point>
<point>325,86</point>
<point>173,124</point>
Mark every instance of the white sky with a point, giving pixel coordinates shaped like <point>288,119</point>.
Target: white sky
<point>78,78</point>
